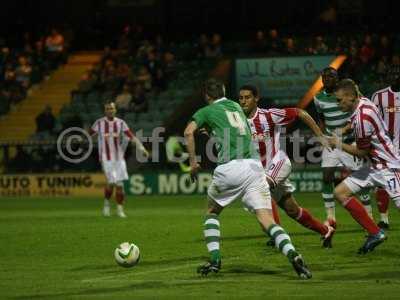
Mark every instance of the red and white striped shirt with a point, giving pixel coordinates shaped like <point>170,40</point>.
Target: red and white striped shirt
<point>266,127</point>
<point>371,133</point>
<point>110,134</point>
<point>388,103</point>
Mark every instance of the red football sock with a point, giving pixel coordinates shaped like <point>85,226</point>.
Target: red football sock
<point>119,197</point>
<point>382,200</point>
<point>308,221</point>
<point>361,216</point>
<point>108,192</point>
<point>275,212</point>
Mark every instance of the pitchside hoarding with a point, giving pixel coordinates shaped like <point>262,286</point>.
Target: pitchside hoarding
<point>92,184</point>
<point>180,183</point>
<point>283,79</point>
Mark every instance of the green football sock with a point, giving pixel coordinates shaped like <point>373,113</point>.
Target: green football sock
<point>212,236</point>
<point>329,200</point>
<point>282,241</point>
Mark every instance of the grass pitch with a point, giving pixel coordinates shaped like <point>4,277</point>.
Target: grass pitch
<point>62,248</point>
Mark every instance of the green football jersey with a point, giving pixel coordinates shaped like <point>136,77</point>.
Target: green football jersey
<point>326,105</point>
<point>228,124</point>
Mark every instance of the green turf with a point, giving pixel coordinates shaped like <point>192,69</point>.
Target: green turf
<point>63,249</point>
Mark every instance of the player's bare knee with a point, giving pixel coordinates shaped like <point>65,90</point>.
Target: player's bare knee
<point>214,207</point>
<point>264,217</point>
<point>342,193</point>
<point>397,203</point>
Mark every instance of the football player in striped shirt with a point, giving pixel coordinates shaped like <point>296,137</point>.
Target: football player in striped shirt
<point>332,119</point>
<point>388,102</point>
<point>266,126</point>
<point>373,143</point>
<point>110,131</point>
<point>239,175</point>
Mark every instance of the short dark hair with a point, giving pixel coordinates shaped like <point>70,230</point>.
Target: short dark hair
<point>214,88</point>
<point>349,85</point>
<point>251,88</point>
<point>330,70</point>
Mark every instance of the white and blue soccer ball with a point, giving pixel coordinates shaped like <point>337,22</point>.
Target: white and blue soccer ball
<point>127,255</point>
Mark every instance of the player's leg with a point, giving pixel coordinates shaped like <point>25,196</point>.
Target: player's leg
<point>282,240</point>
<point>109,188</point>
<point>258,199</point>
<point>222,191</point>
<point>351,164</point>
<point>108,191</point>
<point>344,194</point>
<point>330,161</point>
<point>212,235</point>
<point>382,199</point>
<point>305,218</point>
<point>328,186</point>
<point>120,199</point>
<point>278,170</point>
<point>121,174</point>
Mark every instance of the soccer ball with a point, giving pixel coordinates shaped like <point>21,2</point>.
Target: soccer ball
<point>127,255</point>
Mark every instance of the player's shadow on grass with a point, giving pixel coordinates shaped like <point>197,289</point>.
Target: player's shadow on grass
<point>292,234</point>
<point>251,269</point>
<point>113,268</point>
<point>236,238</point>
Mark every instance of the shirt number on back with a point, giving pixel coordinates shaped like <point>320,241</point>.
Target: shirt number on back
<point>391,184</point>
<point>236,121</point>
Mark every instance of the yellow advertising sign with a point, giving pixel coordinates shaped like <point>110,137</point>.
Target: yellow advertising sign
<point>50,185</point>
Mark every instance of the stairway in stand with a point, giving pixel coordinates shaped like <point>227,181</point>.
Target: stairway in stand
<point>19,124</point>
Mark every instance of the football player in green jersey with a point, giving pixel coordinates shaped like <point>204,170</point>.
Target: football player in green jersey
<point>333,120</point>
<point>239,175</point>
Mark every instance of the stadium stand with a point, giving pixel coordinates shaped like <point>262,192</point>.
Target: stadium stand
<point>150,79</point>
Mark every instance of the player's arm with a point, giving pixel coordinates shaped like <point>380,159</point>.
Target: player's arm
<point>191,147</point>
<point>321,119</point>
<point>138,144</point>
<point>346,129</point>
<point>309,121</point>
<point>134,140</point>
<point>361,150</point>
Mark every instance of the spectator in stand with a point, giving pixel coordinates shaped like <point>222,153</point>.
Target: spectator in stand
<point>215,48</point>
<point>159,45</point>
<point>152,64</point>
<point>367,51</point>
<point>123,100</point>
<point>169,66</point>
<point>4,101</point>
<point>86,84</point>
<point>55,48</point>
<point>289,46</point>
<point>381,69</point>
<point>144,48</point>
<point>274,43</point>
<point>395,60</point>
<point>159,81</point>
<point>107,55</point>
<point>123,72</point>
<point>319,46</point>
<point>109,80</point>
<point>384,48</point>
<point>260,43</point>
<point>125,41</point>
<point>12,86</point>
<point>23,72</point>
<point>144,79</point>
<point>45,121</point>
<point>139,100</point>
<point>202,46</point>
